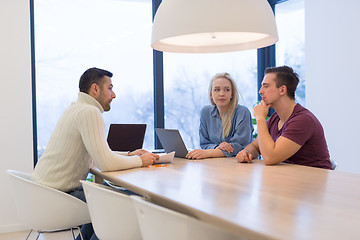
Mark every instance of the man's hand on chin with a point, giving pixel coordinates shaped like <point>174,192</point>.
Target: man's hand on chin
<point>261,110</point>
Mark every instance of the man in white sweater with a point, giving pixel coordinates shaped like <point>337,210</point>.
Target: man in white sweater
<point>79,140</point>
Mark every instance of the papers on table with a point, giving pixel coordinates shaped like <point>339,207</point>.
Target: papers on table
<point>166,157</point>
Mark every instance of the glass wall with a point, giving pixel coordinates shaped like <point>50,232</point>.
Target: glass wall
<point>290,50</point>
<point>72,36</point>
<point>186,83</point>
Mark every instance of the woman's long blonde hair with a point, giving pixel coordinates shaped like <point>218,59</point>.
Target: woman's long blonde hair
<point>234,101</point>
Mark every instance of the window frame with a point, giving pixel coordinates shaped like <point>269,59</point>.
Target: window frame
<point>33,81</point>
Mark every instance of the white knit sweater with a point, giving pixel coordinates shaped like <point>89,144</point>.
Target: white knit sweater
<point>77,141</point>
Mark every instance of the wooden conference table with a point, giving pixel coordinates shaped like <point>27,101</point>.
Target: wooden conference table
<point>252,200</point>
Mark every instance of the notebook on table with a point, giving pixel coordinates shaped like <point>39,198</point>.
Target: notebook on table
<point>126,137</point>
<point>171,140</point>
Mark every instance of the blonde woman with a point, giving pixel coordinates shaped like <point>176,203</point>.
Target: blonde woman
<point>225,126</point>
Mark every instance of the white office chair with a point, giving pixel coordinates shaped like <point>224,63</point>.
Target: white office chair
<point>46,209</point>
<point>333,164</point>
<point>159,223</point>
<point>112,213</point>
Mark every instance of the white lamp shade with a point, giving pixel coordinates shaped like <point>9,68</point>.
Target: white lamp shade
<point>210,26</point>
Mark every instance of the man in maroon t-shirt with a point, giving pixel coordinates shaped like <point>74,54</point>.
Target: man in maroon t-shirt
<point>292,134</point>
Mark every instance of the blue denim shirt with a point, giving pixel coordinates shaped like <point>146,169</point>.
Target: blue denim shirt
<point>210,131</point>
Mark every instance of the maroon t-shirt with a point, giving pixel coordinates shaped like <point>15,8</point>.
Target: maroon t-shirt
<point>303,128</point>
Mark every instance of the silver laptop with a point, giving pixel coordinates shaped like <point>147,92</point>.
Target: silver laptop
<point>171,140</point>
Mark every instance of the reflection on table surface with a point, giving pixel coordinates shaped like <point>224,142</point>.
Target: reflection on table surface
<point>284,201</point>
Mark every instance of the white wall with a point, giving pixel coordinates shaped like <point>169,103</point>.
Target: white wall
<point>332,75</point>
<point>15,97</point>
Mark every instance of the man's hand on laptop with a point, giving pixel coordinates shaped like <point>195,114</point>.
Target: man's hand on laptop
<point>149,159</point>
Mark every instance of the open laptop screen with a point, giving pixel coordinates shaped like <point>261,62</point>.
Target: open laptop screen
<point>171,140</point>
<point>126,137</point>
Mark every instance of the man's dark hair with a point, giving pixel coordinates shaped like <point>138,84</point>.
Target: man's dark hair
<point>285,76</point>
<point>90,76</point>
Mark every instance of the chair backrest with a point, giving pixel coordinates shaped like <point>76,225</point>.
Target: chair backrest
<point>43,208</point>
<point>159,223</point>
<point>112,213</point>
<point>333,164</point>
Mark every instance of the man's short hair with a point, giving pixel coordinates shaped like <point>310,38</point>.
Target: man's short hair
<point>90,76</point>
<point>285,76</point>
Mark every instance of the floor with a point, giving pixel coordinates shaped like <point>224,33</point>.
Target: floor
<point>63,235</point>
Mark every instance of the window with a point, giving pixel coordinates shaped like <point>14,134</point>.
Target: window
<point>290,50</point>
<point>186,83</point>
<point>72,36</point>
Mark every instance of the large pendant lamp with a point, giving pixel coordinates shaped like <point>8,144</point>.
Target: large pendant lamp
<point>210,26</point>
